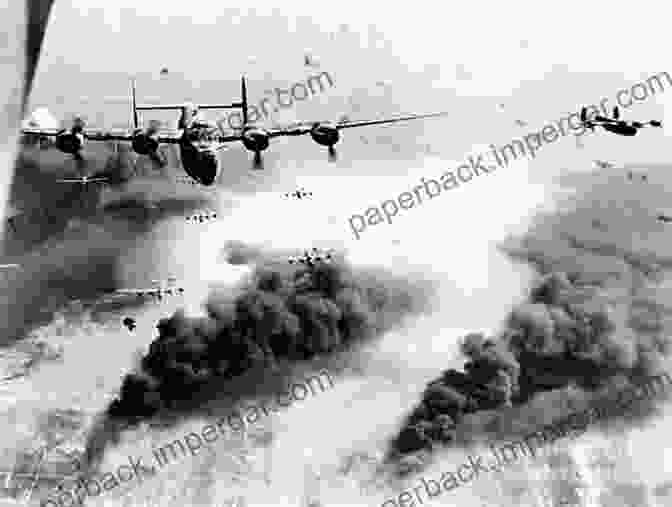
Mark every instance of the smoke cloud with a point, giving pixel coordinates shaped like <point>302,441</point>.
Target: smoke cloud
<point>281,313</point>
<point>589,324</point>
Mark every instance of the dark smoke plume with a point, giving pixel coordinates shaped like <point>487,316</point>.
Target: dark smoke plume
<point>590,326</point>
<point>550,342</point>
<point>282,313</point>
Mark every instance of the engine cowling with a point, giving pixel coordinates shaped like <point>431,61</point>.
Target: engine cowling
<point>325,134</point>
<point>255,139</point>
<point>144,143</point>
<point>70,142</point>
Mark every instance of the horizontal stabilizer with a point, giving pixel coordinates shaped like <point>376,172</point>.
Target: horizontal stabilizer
<point>173,107</point>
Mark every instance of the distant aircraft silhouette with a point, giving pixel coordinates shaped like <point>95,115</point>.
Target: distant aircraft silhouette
<point>601,164</point>
<point>311,258</point>
<point>664,218</point>
<point>299,194</point>
<point>308,61</point>
<point>202,217</point>
<point>614,125</point>
<point>129,323</point>
<point>643,177</point>
<point>83,180</point>
<point>157,291</point>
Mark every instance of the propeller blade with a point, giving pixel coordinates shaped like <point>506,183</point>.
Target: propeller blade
<point>158,158</point>
<point>333,156</point>
<point>79,161</point>
<point>617,113</point>
<point>655,123</point>
<point>78,123</point>
<point>257,162</point>
<point>153,128</point>
<point>584,114</point>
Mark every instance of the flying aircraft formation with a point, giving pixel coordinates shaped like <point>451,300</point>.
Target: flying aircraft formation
<point>614,125</point>
<point>158,290</point>
<point>198,140</point>
<point>311,258</point>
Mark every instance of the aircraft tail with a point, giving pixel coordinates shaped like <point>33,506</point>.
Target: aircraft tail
<point>243,95</point>
<point>134,105</point>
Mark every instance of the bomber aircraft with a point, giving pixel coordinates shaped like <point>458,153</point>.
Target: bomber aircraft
<point>83,180</point>
<point>614,125</point>
<point>199,141</point>
<point>157,291</point>
<point>603,164</point>
<point>298,194</point>
<point>312,258</point>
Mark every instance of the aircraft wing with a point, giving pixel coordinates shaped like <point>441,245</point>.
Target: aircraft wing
<point>229,139</point>
<point>350,124</point>
<point>136,292</point>
<point>165,137</point>
<point>305,128</point>
<point>41,132</point>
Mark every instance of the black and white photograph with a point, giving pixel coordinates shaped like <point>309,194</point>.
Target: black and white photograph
<point>223,280</point>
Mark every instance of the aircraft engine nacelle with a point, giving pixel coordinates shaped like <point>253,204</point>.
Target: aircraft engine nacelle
<point>144,144</point>
<point>255,139</point>
<point>325,134</point>
<point>70,142</point>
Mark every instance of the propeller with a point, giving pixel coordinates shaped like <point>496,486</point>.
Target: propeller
<point>617,113</point>
<point>77,127</point>
<point>257,161</point>
<point>332,154</point>
<point>80,163</point>
<point>584,114</point>
<point>157,156</point>
<point>656,123</point>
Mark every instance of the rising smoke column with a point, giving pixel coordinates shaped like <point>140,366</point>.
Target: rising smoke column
<point>281,313</point>
<point>563,335</point>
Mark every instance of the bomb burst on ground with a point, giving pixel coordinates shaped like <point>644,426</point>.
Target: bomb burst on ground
<point>283,313</point>
<point>585,328</point>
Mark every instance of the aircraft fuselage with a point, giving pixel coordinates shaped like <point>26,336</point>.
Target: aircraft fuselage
<point>197,147</point>
<point>199,162</point>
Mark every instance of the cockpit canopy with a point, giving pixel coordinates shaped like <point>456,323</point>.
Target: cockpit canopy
<point>202,133</point>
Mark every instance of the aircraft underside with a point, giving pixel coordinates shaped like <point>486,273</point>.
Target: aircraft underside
<point>201,165</point>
